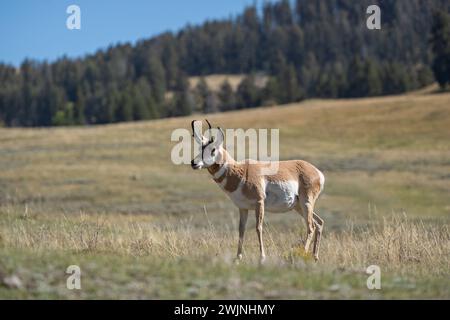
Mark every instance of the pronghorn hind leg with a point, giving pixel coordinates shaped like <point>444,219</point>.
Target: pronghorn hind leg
<point>318,235</point>
<point>306,210</point>
<point>243,215</point>
<point>310,228</point>
<point>259,213</point>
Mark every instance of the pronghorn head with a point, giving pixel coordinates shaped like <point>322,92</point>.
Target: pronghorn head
<point>211,148</point>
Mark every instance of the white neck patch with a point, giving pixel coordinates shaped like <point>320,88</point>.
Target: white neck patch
<point>221,171</point>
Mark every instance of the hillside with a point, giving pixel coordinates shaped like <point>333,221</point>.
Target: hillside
<point>396,145</point>
<point>109,199</point>
<point>307,49</point>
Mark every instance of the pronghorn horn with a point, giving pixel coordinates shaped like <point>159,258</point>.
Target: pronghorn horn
<point>192,125</point>
<point>209,125</point>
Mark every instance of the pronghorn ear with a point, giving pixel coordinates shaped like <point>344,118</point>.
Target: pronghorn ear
<point>195,134</point>
<point>220,137</point>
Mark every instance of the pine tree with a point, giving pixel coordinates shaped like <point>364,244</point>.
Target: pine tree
<point>57,103</point>
<point>153,111</point>
<point>374,85</point>
<point>425,76</point>
<point>296,46</point>
<point>125,110</point>
<point>270,92</point>
<point>357,78</point>
<point>79,107</point>
<point>170,60</point>
<point>155,73</point>
<point>226,97</point>
<point>182,100</point>
<point>202,93</point>
<point>251,39</point>
<point>288,87</point>
<point>140,111</point>
<point>396,78</point>
<point>290,84</point>
<point>283,13</point>
<point>247,93</point>
<point>440,43</point>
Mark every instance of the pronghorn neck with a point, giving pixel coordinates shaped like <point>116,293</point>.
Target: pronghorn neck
<point>218,169</point>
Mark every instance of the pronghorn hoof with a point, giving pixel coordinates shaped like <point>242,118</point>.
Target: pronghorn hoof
<point>261,260</point>
<point>238,259</point>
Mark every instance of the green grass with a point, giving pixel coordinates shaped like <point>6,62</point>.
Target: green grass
<point>117,277</point>
<point>137,257</point>
<point>109,199</point>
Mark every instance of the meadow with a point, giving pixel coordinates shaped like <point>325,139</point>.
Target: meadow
<point>109,199</point>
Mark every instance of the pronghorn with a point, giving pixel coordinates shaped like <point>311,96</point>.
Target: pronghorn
<point>295,186</point>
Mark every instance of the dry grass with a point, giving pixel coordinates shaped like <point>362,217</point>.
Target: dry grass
<point>194,258</point>
<point>142,231</point>
<point>395,243</point>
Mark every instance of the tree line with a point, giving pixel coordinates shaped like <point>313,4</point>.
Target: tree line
<point>303,48</point>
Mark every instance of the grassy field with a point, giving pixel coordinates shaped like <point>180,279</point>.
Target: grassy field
<point>109,200</point>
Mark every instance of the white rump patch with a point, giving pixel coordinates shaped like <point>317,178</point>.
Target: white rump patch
<point>322,179</point>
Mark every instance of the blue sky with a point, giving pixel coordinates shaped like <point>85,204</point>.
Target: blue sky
<point>37,29</point>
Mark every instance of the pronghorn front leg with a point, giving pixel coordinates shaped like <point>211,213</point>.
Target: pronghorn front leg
<point>243,215</point>
<point>259,212</point>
